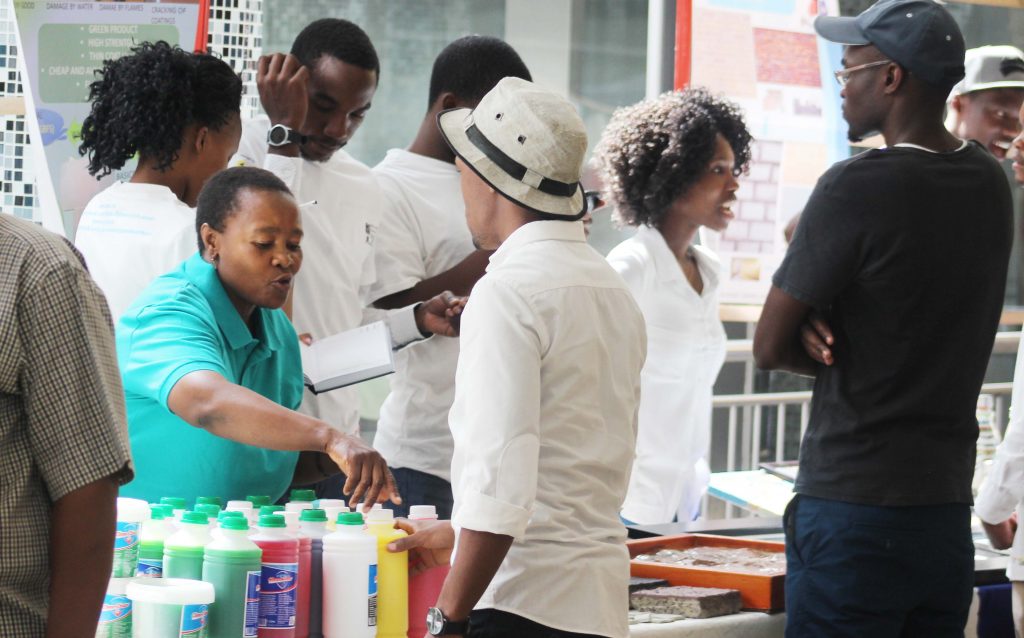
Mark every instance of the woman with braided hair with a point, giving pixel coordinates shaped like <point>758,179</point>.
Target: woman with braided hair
<point>178,113</point>
<point>669,165</point>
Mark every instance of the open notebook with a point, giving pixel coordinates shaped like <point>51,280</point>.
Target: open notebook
<point>348,357</point>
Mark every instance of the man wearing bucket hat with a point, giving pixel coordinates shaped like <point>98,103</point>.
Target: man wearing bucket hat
<point>905,298</point>
<point>544,416</point>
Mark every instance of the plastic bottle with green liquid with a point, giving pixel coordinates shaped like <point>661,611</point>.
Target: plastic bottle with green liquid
<point>152,536</point>
<point>183,550</point>
<point>232,564</point>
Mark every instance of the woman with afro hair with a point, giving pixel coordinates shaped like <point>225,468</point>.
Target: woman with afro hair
<point>178,113</point>
<point>670,166</point>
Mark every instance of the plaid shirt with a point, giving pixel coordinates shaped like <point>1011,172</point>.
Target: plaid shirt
<point>62,419</point>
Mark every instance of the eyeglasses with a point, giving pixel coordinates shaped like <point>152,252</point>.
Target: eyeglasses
<point>843,75</point>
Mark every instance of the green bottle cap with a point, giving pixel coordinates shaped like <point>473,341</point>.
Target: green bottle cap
<point>235,523</point>
<point>166,509</point>
<point>271,520</point>
<point>350,518</point>
<point>175,502</point>
<point>307,496</point>
<point>156,512</point>
<point>209,509</point>
<point>194,518</point>
<point>258,501</point>
<point>210,500</point>
<point>232,514</point>
<point>314,516</point>
<point>271,509</point>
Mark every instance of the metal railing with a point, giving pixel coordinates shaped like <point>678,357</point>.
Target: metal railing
<point>768,427</point>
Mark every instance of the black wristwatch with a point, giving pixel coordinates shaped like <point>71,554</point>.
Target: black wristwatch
<point>439,625</point>
<point>281,135</point>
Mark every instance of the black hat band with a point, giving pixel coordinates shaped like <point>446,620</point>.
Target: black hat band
<point>517,170</point>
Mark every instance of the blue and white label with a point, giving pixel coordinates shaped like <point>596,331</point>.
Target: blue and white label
<point>150,568</point>
<point>371,607</point>
<point>126,549</point>
<point>116,608</point>
<point>193,620</point>
<point>277,595</point>
<point>251,620</point>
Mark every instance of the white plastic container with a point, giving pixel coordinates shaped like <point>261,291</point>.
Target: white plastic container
<point>298,506</point>
<point>350,580</point>
<point>169,607</point>
<point>152,536</point>
<point>131,512</point>
<point>116,613</point>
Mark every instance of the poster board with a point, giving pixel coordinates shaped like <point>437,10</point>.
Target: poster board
<point>62,44</point>
<point>780,73</point>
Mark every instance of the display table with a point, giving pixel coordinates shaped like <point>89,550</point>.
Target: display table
<point>742,625</point>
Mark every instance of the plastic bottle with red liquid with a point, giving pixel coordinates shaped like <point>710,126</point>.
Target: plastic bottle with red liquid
<point>305,568</point>
<point>425,587</point>
<point>279,577</point>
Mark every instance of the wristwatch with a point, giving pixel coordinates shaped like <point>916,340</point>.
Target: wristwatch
<point>281,135</point>
<point>439,625</point>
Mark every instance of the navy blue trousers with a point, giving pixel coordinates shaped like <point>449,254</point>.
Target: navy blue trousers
<point>877,572</point>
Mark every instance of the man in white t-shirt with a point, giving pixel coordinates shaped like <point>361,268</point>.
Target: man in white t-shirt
<point>423,247</point>
<point>315,99</point>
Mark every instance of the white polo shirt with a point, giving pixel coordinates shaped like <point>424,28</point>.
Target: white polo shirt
<point>686,349</point>
<point>130,234</point>
<point>1003,489</point>
<point>544,422</point>
<point>337,267</point>
<point>422,234</point>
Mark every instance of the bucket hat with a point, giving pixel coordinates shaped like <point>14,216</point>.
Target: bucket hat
<point>527,143</point>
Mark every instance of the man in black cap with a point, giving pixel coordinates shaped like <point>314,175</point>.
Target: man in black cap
<point>878,533</point>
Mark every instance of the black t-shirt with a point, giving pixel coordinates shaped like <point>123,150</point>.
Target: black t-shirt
<point>905,251</point>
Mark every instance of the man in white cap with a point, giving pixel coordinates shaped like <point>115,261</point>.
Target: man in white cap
<point>546,392</point>
<point>903,251</point>
<point>983,107</point>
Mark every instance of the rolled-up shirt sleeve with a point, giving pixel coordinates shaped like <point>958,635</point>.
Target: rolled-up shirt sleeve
<point>1004,486</point>
<point>495,419</point>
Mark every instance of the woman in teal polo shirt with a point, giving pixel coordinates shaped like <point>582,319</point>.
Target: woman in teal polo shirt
<point>211,365</point>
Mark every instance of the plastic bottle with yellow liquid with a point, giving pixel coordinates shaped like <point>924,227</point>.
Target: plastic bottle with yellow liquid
<point>392,576</point>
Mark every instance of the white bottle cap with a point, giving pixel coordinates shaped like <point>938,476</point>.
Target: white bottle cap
<point>298,506</point>
<point>238,506</point>
<point>291,519</point>
<point>380,516</point>
<point>324,503</point>
<point>423,512</point>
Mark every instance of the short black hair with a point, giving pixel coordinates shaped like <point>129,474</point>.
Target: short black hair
<point>219,198</point>
<point>470,67</point>
<point>338,38</point>
<point>654,151</point>
<point>142,102</point>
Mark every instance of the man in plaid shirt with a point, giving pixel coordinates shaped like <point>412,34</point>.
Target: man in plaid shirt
<point>63,439</point>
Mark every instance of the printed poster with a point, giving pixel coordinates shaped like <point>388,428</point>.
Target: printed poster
<point>62,45</point>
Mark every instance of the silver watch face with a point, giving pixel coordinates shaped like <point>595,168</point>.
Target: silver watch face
<point>278,135</point>
<point>435,621</point>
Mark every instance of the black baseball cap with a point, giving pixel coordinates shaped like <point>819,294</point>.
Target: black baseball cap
<point>919,35</point>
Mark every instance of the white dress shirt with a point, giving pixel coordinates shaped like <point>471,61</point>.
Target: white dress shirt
<point>338,265</point>
<point>130,234</point>
<point>422,234</point>
<point>544,423</point>
<point>686,346</point>
<point>1003,489</point>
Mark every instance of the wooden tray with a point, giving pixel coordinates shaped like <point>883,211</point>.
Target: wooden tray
<point>759,592</point>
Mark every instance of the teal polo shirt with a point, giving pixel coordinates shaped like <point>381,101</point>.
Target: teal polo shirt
<point>181,323</point>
